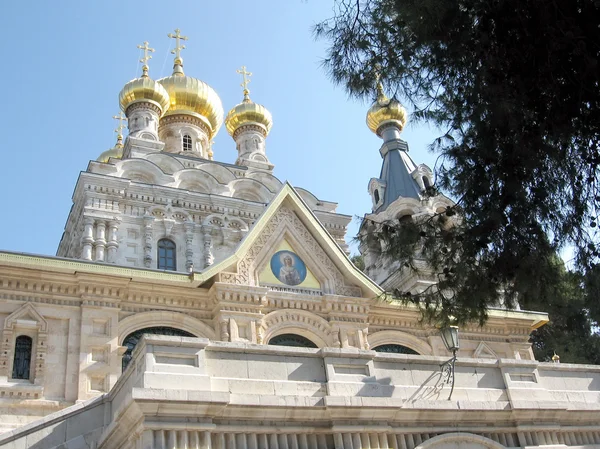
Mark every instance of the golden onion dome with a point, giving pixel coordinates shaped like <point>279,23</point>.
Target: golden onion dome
<point>191,96</point>
<point>144,89</point>
<point>115,152</point>
<point>248,113</point>
<point>385,111</point>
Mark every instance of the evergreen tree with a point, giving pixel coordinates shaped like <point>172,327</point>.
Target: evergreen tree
<point>514,86</point>
<point>570,332</point>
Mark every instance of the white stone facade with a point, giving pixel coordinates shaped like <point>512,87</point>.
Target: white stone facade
<point>193,393</point>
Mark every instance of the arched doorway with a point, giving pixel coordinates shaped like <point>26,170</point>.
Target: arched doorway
<point>294,340</point>
<point>395,349</point>
<point>133,338</point>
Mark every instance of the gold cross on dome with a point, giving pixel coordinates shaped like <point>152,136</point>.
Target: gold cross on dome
<point>246,79</point>
<point>146,49</point>
<point>178,37</point>
<point>121,118</point>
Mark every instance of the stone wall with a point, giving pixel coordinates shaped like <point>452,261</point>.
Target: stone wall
<point>184,392</point>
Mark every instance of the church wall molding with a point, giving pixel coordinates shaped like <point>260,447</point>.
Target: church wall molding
<point>303,323</point>
<point>399,338</point>
<point>166,162</point>
<point>458,439</point>
<point>164,318</point>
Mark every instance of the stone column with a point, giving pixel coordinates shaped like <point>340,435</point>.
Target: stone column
<point>148,235</point>
<point>208,256</point>
<point>87,238</point>
<point>189,251</point>
<point>113,243</point>
<point>224,326</point>
<point>100,243</point>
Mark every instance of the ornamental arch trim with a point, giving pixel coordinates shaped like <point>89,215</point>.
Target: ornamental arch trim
<point>164,319</point>
<point>390,337</point>
<point>302,323</point>
<point>454,440</point>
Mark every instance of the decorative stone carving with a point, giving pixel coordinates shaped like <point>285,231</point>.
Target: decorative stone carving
<point>148,236</point>
<point>112,244</point>
<point>208,256</point>
<point>225,334</point>
<point>88,238</point>
<point>189,251</point>
<point>260,334</point>
<point>100,242</point>
<point>285,217</point>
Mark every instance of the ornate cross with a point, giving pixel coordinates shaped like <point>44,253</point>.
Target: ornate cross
<point>146,49</point>
<point>146,57</point>
<point>379,84</point>
<point>246,79</point>
<point>121,118</point>
<point>178,37</point>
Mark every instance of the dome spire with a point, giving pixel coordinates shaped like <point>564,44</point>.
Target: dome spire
<point>386,117</point>
<point>146,58</point>
<point>178,63</point>
<point>115,152</point>
<point>249,124</point>
<point>245,81</point>
<point>119,130</point>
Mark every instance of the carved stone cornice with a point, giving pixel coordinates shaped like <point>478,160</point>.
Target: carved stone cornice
<point>184,118</point>
<point>249,128</point>
<point>143,105</point>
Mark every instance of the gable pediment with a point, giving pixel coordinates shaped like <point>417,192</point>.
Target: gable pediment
<point>483,351</point>
<point>289,249</point>
<point>26,314</point>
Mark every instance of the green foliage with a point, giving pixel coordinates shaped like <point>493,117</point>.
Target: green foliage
<point>514,84</point>
<point>358,262</point>
<point>569,332</point>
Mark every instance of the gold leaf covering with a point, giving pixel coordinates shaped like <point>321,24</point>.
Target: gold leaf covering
<point>194,97</point>
<point>248,113</point>
<point>385,111</point>
<point>144,89</point>
<point>115,152</point>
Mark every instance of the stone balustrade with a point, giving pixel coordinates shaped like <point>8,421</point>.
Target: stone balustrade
<point>181,392</point>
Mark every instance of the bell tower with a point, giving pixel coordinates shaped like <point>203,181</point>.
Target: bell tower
<point>399,193</point>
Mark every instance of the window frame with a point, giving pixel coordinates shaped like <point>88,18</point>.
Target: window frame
<point>31,357</point>
<point>169,249</point>
<point>187,144</point>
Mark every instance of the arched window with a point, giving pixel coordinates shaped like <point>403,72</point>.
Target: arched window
<point>22,360</point>
<point>297,341</point>
<point>167,259</point>
<point>376,195</point>
<point>132,339</point>
<point>426,182</point>
<point>395,349</point>
<point>187,142</point>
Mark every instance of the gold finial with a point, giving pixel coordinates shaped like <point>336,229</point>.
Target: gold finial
<point>380,93</point>
<point>119,130</point>
<point>178,68</point>
<point>246,80</point>
<point>146,57</point>
<point>556,358</point>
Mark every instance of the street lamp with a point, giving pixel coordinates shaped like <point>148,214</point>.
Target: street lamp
<point>449,336</point>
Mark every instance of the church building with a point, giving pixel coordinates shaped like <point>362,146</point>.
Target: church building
<point>196,304</point>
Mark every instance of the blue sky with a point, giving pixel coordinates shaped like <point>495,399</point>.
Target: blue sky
<point>65,63</point>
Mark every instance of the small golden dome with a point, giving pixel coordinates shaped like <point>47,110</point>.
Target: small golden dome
<point>248,113</point>
<point>144,89</point>
<point>385,111</point>
<point>193,97</point>
<point>115,152</point>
